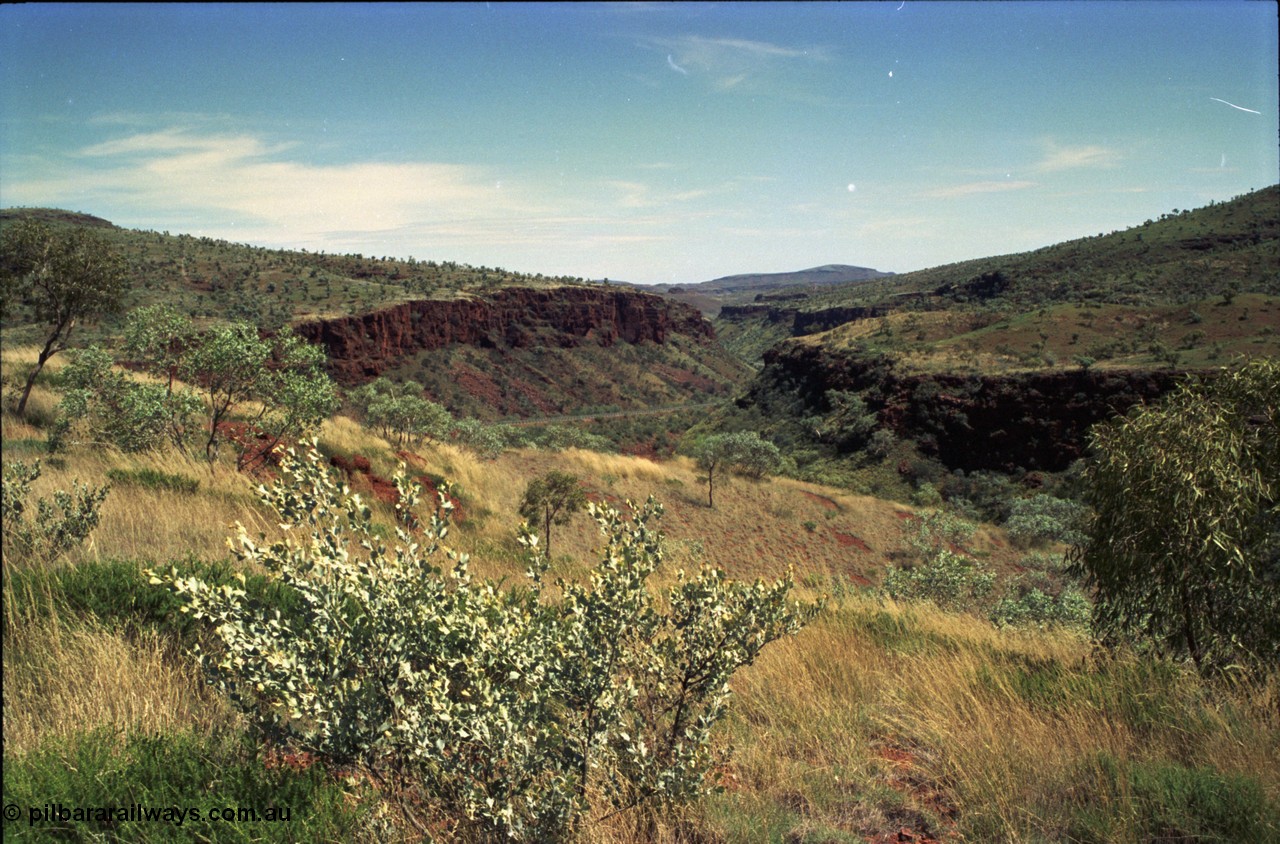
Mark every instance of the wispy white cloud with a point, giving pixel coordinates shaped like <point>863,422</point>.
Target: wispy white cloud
<point>248,188</point>
<point>751,48</point>
<point>245,178</point>
<point>971,188</point>
<point>1057,158</point>
<point>728,62</point>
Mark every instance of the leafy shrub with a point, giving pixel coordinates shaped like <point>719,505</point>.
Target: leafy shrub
<point>560,437</point>
<point>1042,519</point>
<point>56,526</point>
<point>106,406</point>
<point>950,580</point>
<point>881,444</point>
<point>926,495</point>
<point>938,530</point>
<point>402,410</point>
<point>1070,609</point>
<point>487,441</point>
<point>1184,547</point>
<point>512,714</point>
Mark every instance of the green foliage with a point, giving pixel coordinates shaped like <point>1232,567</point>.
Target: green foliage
<point>950,580</point>
<point>487,441</point>
<point>400,410</point>
<point>1170,802</point>
<point>56,526</point>
<point>744,452</point>
<point>1042,519</point>
<point>285,374</point>
<point>156,336</point>
<point>116,593</point>
<point>108,407</point>
<point>1040,609</point>
<point>1185,544</point>
<point>59,277</point>
<point>938,530</point>
<point>184,770</point>
<point>552,499</point>
<point>560,437</point>
<point>514,715</point>
<point>848,424</point>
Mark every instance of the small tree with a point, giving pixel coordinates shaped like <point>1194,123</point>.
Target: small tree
<point>62,278</point>
<point>233,365</point>
<point>117,409</point>
<point>1184,546</point>
<point>401,410</point>
<point>552,499</point>
<point>157,336</point>
<point>744,451</point>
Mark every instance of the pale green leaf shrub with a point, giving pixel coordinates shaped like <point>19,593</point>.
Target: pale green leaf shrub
<point>56,526</point>
<point>513,714</point>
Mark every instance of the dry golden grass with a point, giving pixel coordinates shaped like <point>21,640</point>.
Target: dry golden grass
<point>62,679</point>
<point>143,523</point>
<point>875,717</point>
<point>937,715</point>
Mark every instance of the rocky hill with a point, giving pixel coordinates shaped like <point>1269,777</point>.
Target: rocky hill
<point>364,345</point>
<point>1002,364</point>
<point>484,341</point>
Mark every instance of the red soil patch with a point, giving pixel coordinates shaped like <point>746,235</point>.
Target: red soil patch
<point>359,471</point>
<point>478,384</point>
<point>907,780</point>
<point>848,540</point>
<point>255,449</point>
<point>821,499</point>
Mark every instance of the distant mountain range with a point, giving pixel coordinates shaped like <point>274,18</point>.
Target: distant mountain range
<point>827,274</point>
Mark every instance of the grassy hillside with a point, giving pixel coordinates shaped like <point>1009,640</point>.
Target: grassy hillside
<point>1156,285</point>
<point>881,721</point>
<point>924,356</point>
<point>213,281</point>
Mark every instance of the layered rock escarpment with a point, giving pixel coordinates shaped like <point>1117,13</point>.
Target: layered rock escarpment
<point>801,323</point>
<point>362,346</point>
<point>1000,422</point>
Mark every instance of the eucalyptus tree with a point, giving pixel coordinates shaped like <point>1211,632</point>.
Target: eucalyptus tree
<point>60,278</point>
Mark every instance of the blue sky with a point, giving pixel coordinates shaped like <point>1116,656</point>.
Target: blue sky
<point>656,143</point>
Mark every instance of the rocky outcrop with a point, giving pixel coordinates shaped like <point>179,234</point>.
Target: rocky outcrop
<point>813,322</point>
<point>360,347</point>
<point>1034,420</point>
<point>799,322</point>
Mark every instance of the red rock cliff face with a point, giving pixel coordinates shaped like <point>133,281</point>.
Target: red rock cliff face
<point>1034,420</point>
<point>360,347</point>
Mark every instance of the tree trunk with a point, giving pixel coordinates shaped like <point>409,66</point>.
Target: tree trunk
<point>47,352</point>
<point>547,532</point>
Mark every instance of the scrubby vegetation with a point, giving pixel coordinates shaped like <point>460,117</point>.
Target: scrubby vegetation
<point>388,668</point>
